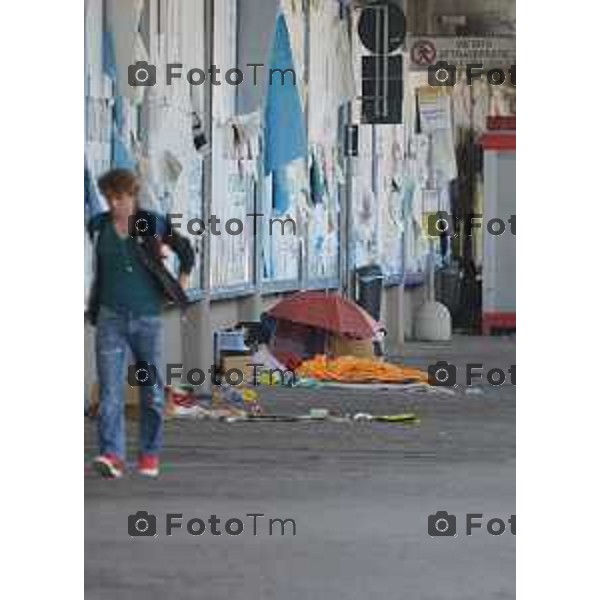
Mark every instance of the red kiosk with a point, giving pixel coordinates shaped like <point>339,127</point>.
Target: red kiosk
<point>499,251</point>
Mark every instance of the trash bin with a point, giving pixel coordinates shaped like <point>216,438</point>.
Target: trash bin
<point>369,288</point>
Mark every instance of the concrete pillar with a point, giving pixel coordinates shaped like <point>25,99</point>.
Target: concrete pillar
<point>196,330</point>
<point>197,341</point>
<point>250,308</point>
<point>394,313</point>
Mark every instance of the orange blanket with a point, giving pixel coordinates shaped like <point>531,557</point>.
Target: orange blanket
<point>350,369</point>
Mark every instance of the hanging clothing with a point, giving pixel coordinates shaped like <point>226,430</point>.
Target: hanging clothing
<point>93,201</point>
<point>121,157</point>
<point>123,22</point>
<point>318,186</point>
<point>281,191</point>
<point>285,131</point>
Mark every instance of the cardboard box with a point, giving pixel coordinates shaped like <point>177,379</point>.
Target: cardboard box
<point>242,362</point>
<point>343,346</point>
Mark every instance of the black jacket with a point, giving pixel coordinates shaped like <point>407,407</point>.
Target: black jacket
<point>148,251</point>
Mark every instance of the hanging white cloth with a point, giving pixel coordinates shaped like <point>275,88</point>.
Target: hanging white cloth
<point>123,20</point>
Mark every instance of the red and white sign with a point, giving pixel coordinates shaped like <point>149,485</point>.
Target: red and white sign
<point>497,51</point>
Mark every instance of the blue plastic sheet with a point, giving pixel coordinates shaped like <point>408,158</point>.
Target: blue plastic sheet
<point>285,127</point>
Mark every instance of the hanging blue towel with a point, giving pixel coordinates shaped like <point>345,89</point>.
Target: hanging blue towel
<point>109,63</point>
<point>121,158</point>
<point>120,155</point>
<point>93,201</point>
<point>285,128</point>
<point>318,186</point>
<point>281,191</point>
<point>119,113</point>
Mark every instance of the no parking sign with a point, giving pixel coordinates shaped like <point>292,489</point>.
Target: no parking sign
<point>423,53</point>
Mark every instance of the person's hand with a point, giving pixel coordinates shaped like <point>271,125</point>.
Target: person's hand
<point>184,280</point>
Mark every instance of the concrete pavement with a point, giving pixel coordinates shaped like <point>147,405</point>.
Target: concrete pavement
<point>360,496</point>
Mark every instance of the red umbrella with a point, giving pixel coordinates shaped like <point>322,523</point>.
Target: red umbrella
<point>326,311</point>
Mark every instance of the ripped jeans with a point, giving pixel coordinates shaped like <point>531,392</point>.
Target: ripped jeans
<point>116,334</point>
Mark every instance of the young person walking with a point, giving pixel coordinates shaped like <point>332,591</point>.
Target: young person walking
<point>130,289</point>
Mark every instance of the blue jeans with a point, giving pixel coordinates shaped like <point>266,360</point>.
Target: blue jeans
<point>116,334</point>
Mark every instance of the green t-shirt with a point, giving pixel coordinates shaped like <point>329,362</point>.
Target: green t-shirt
<point>124,283</point>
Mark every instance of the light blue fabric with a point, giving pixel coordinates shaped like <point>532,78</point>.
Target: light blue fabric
<point>121,158</point>
<point>119,113</point>
<point>120,155</point>
<point>318,185</point>
<point>93,201</point>
<point>109,63</point>
<point>281,192</point>
<point>285,127</point>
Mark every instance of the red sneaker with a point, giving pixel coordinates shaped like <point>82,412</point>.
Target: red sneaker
<point>148,465</point>
<point>109,466</point>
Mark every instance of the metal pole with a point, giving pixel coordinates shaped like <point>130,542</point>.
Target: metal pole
<point>346,201</point>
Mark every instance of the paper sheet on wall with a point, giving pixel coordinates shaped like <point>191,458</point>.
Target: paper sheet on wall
<point>435,114</point>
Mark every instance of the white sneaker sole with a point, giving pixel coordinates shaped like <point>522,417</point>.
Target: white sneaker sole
<point>148,472</point>
<point>106,469</point>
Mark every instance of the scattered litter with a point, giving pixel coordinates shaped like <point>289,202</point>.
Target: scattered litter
<point>225,401</point>
<point>318,413</point>
<point>229,404</point>
<point>441,390</point>
<point>406,418</point>
<point>401,418</point>
<point>307,382</point>
<point>474,391</point>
